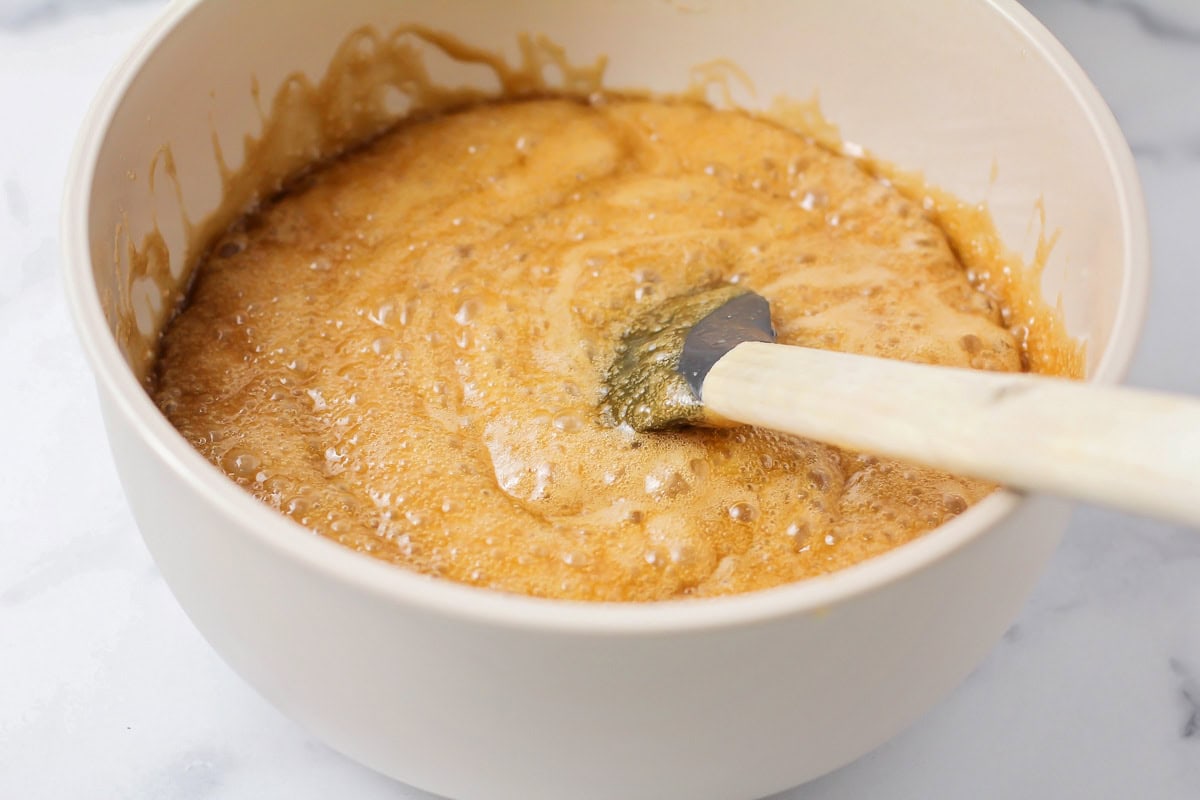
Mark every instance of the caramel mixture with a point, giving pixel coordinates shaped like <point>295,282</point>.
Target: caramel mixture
<point>404,352</point>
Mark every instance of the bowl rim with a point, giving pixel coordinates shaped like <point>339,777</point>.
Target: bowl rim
<point>322,557</point>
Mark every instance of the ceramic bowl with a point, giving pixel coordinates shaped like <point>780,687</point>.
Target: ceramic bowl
<point>474,694</point>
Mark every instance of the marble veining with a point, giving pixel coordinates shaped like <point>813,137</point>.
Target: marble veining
<point>1189,692</point>
<point>106,691</point>
<point>14,199</point>
<point>25,14</point>
<point>1165,20</point>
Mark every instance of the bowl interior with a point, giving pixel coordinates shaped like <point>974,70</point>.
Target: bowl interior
<point>975,94</point>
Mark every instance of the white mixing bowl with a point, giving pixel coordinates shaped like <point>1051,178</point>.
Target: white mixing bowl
<point>474,694</point>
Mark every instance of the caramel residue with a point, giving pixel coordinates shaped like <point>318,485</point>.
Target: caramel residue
<point>990,265</point>
<point>994,269</point>
<point>718,76</point>
<point>373,80</point>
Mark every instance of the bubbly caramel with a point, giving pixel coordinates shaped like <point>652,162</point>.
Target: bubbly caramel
<point>404,352</point>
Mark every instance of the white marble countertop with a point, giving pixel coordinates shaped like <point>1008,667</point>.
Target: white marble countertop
<point>106,690</point>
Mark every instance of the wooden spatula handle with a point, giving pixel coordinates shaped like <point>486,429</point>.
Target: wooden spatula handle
<point>1129,449</point>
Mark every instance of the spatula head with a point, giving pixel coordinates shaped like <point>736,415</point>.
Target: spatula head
<point>663,358</point>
